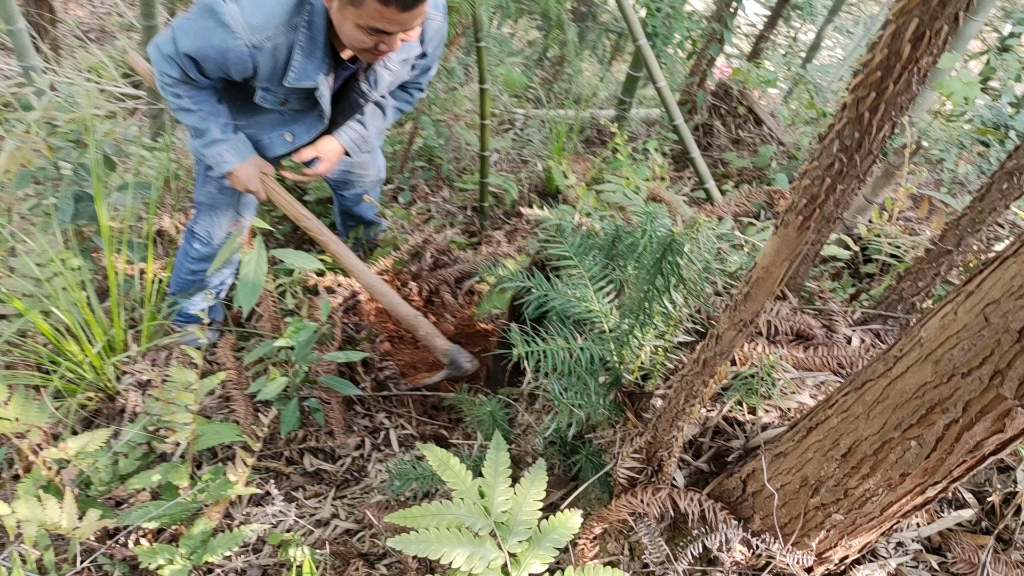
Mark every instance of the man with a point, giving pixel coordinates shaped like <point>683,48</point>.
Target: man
<point>256,81</point>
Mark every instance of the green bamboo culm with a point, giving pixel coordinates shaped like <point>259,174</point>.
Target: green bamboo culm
<point>668,101</point>
<point>485,111</point>
<point>624,104</point>
<point>149,21</point>
<point>17,31</point>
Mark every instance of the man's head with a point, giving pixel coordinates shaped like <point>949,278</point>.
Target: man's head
<point>375,28</point>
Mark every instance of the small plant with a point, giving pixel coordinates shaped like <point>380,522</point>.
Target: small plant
<point>196,547</point>
<point>301,556</point>
<point>489,527</point>
<point>285,366</point>
<point>482,414</point>
<point>752,386</point>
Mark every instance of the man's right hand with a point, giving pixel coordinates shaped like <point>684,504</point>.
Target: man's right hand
<point>246,177</point>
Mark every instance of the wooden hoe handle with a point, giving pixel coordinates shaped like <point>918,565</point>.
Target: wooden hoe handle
<point>458,362</point>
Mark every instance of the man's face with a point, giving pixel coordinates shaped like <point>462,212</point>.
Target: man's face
<point>372,30</point>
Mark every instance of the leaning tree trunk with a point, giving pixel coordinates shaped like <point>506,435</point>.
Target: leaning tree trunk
<point>757,50</point>
<point>916,33</point>
<point>919,282</point>
<point>42,17</point>
<point>679,127</point>
<point>874,192</point>
<point>708,53</point>
<point>930,411</point>
<point>21,40</point>
<point>823,30</point>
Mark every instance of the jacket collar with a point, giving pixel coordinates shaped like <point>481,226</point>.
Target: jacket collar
<point>311,57</point>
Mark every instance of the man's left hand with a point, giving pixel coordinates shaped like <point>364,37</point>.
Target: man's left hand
<point>327,152</point>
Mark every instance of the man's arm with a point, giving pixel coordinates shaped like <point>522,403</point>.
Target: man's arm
<point>192,59</point>
<point>357,136</point>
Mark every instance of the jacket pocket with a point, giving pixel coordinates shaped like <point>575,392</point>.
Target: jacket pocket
<point>278,99</point>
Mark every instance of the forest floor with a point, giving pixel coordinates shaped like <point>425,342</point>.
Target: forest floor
<point>332,485</point>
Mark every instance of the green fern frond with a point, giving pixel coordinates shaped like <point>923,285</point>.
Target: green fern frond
<point>458,548</point>
<point>229,542</point>
<point>496,483</point>
<point>525,508</point>
<point>443,514</point>
<point>551,535</point>
<point>482,414</point>
<point>454,473</point>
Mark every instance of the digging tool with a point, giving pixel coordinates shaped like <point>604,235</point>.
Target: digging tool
<point>457,360</point>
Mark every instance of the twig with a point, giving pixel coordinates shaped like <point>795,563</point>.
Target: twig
<point>584,486</point>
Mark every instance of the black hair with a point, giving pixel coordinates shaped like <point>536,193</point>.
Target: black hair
<point>400,5</point>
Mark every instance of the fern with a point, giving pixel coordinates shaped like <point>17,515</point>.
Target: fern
<point>197,546</point>
<point>489,527</point>
<point>482,414</point>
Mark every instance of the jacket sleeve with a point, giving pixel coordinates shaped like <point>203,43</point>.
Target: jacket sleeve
<point>356,134</point>
<point>193,58</point>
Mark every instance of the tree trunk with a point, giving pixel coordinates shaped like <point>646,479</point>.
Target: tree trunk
<point>919,282</point>
<point>679,127</point>
<point>42,17</point>
<point>931,410</point>
<point>823,30</point>
<point>627,95</point>
<point>767,30</point>
<point>21,40</point>
<point>708,53</point>
<point>916,33</point>
<point>874,192</point>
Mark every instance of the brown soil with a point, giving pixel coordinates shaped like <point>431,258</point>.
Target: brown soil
<point>415,362</point>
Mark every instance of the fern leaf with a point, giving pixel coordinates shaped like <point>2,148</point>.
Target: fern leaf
<point>552,534</point>
<point>455,474</point>
<point>524,509</point>
<point>194,540</point>
<point>458,548</point>
<point>210,434</point>
<point>77,445</point>
<point>169,472</point>
<point>229,542</point>
<point>443,514</point>
<point>590,570</point>
<point>157,556</point>
<point>497,479</point>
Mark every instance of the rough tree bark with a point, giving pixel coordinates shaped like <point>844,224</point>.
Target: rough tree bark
<point>874,192</point>
<point>919,282</point>
<point>704,61</point>
<point>823,30</point>
<point>43,18</point>
<point>939,404</point>
<point>915,34</point>
<point>757,50</point>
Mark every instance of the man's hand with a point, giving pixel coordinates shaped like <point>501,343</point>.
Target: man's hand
<point>327,152</point>
<point>246,177</point>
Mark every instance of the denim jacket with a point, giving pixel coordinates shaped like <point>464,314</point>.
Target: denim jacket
<point>255,76</point>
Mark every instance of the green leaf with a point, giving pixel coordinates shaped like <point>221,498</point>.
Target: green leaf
<point>259,352</point>
<point>590,570</point>
<point>210,434</point>
<point>497,479</point>
<point>833,251</point>
<point>443,514</point>
<point>290,417</point>
<point>194,539</point>
<point>83,443</point>
<point>341,386</point>
<point>170,472</point>
<point>552,534</point>
<point>948,60</point>
<point>251,273</point>
<point>156,556</point>
<point>272,388</point>
<point>226,543</point>
<point>159,513</point>
<point>229,249</point>
<point>454,473</point>
<point>458,548</point>
<point>344,356</point>
<point>525,508</point>
<point>298,260</point>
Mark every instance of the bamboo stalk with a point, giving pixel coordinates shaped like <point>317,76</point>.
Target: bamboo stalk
<point>149,21</point>
<point>629,87</point>
<point>17,31</point>
<point>485,111</point>
<point>668,100</point>
<point>823,30</point>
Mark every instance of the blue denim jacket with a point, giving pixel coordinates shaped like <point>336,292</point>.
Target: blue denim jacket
<point>255,76</point>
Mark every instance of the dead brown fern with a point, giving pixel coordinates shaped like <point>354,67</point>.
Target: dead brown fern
<point>268,305</point>
<point>236,382</point>
<point>657,503</point>
<point>783,321</point>
<point>747,202</point>
<point>656,552</point>
<point>968,558</point>
<point>839,359</point>
<point>332,403</point>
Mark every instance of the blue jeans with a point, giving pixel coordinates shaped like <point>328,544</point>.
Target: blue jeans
<point>196,292</point>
